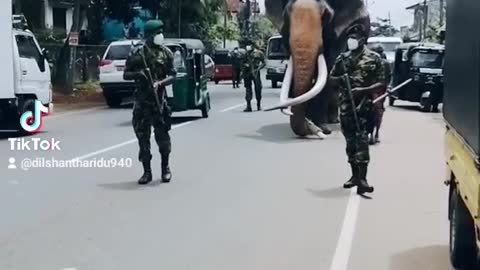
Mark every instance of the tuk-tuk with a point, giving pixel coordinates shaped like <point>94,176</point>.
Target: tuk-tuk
<point>189,91</point>
<point>423,63</point>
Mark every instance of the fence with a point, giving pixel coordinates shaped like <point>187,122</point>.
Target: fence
<point>86,63</point>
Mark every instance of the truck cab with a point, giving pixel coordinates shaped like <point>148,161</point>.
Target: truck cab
<point>26,73</point>
<point>276,60</point>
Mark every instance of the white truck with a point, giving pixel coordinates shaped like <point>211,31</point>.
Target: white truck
<point>24,69</point>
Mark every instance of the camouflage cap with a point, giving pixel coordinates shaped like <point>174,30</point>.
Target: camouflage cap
<point>153,27</point>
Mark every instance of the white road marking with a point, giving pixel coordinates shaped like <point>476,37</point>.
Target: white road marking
<point>232,108</point>
<point>69,269</point>
<point>344,244</point>
<point>62,114</point>
<point>96,153</point>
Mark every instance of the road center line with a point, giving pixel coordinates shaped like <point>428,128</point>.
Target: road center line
<point>345,240</point>
<point>232,108</point>
<point>122,144</point>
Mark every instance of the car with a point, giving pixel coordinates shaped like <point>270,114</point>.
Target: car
<point>115,88</point>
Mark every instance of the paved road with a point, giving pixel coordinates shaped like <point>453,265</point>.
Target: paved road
<point>246,194</point>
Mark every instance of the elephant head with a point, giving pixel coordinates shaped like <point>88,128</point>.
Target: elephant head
<point>314,33</point>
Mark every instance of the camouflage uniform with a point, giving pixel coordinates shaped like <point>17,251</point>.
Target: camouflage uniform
<point>236,64</point>
<point>252,62</point>
<point>146,112</point>
<point>364,70</point>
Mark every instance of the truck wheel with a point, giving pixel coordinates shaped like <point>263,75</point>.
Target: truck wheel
<point>274,84</point>
<point>216,81</point>
<point>28,105</point>
<point>113,101</point>
<point>206,107</point>
<point>463,246</point>
<point>391,101</point>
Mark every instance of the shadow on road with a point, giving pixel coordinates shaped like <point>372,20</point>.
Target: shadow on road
<point>430,257</point>
<point>337,192</point>
<point>282,134</point>
<point>130,186</point>
<point>175,120</point>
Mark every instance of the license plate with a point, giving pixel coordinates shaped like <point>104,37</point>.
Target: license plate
<point>120,68</point>
<point>169,90</point>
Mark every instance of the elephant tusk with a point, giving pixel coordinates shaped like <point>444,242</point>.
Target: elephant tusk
<point>286,111</point>
<point>317,88</point>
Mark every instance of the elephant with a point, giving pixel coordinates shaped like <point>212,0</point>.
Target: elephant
<point>314,33</point>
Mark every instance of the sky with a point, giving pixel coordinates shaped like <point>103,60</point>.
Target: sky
<point>381,8</point>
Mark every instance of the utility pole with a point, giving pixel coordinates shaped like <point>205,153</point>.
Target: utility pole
<point>179,19</point>
<point>425,17</point>
<point>442,13</point>
<point>74,33</point>
<point>225,24</point>
<point>247,21</point>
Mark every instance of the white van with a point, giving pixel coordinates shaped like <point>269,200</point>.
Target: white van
<point>389,44</point>
<point>25,71</point>
<point>276,61</point>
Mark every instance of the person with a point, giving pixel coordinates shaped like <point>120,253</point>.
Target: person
<point>252,63</point>
<point>148,62</point>
<point>366,74</point>
<point>376,117</point>
<point>236,64</point>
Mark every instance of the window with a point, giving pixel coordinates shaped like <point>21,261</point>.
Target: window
<point>60,18</point>
<point>27,48</point>
<point>118,52</point>
<point>427,59</point>
<point>276,50</point>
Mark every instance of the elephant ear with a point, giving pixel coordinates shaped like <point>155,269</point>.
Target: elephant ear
<point>274,10</point>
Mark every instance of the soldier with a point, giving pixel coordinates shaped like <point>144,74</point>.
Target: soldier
<point>149,61</point>
<point>236,63</point>
<point>252,63</point>
<point>376,118</point>
<point>366,74</point>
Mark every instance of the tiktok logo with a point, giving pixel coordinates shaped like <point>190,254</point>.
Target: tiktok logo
<point>33,121</point>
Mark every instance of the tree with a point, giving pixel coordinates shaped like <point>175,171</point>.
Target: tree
<point>383,28</point>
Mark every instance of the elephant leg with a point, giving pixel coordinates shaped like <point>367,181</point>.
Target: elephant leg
<point>333,107</point>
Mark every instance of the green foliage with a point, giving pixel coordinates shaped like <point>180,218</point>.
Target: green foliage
<point>433,34</point>
<point>47,36</point>
<point>261,30</point>
<point>382,28</point>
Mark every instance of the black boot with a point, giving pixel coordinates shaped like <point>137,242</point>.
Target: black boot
<point>249,107</point>
<point>363,186</point>
<point>259,105</point>
<point>147,174</point>
<point>354,179</point>
<point>166,173</point>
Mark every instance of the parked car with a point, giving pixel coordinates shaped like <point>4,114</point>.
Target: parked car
<point>112,65</point>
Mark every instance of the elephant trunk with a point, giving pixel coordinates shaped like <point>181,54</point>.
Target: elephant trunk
<point>306,45</point>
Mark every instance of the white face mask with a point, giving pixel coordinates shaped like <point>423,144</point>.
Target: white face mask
<point>158,39</point>
<point>352,44</point>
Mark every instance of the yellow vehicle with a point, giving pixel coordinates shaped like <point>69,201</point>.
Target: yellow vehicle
<point>462,115</point>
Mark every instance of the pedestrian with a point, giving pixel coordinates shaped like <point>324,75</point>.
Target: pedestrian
<point>148,62</point>
<point>236,64</point>
<point>366,74</point>
<point>376,119</point>
<point>253,62</point>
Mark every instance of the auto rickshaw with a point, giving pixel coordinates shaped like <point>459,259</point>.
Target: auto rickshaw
<point>423,63</point>
<point>189,91</point>
<point>223,66</point>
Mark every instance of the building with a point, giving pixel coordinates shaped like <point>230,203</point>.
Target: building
<point>47,14</point>
<point>426,15</point>
<point>236,8</point>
